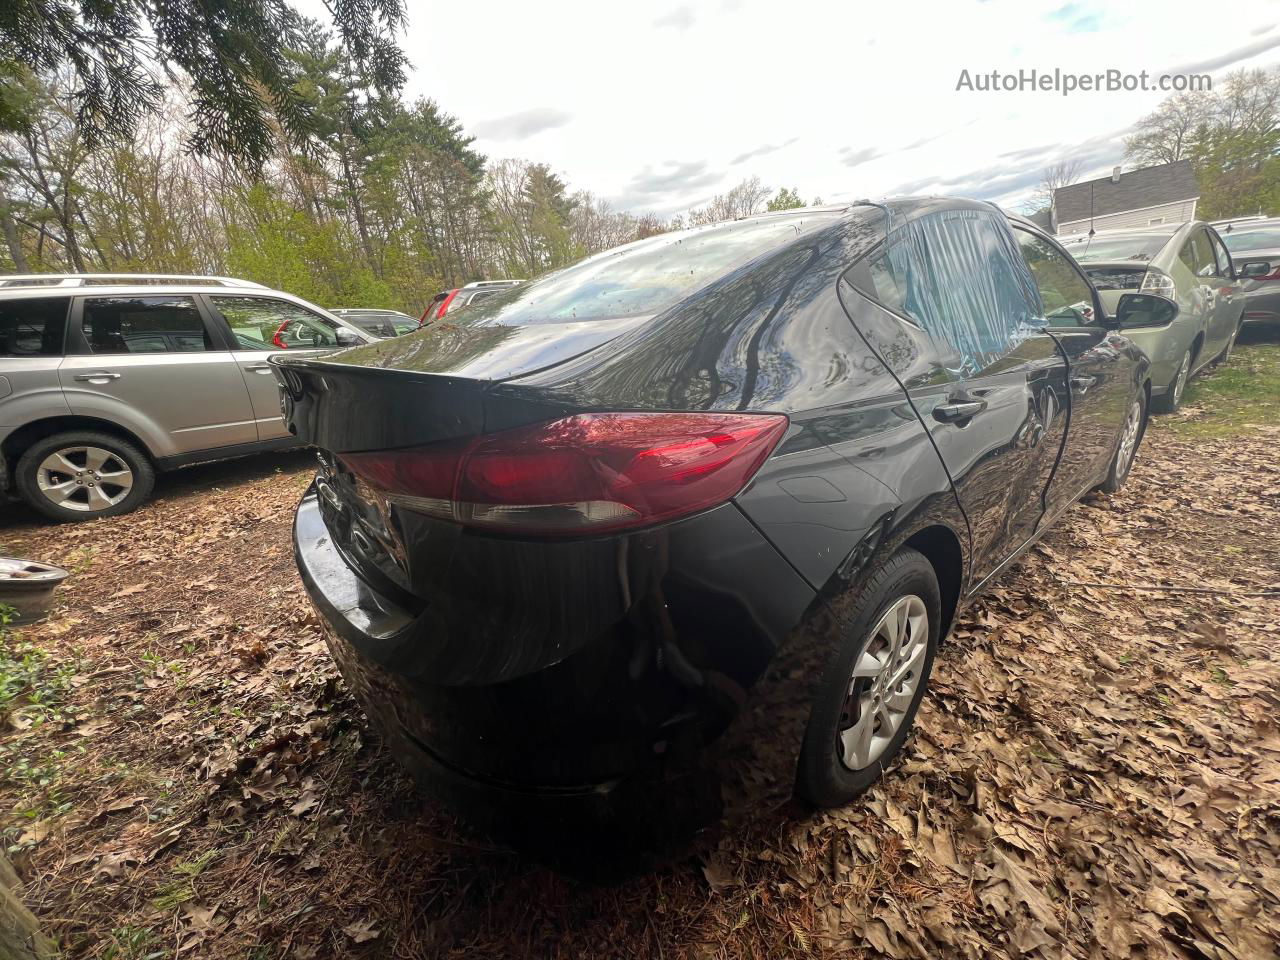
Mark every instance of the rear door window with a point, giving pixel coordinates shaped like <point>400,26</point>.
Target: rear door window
<point>169,324</point>
<point>264,323</point>
<point>33,327</point>
<point>1197,256</point>
<point>959,275</point>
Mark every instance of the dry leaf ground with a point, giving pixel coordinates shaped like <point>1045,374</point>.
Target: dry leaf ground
<point>1096,773</point>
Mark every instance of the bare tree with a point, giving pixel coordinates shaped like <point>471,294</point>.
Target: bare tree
<point>1170,131</point>
<point>1061,173</point>
<point>743,200</point>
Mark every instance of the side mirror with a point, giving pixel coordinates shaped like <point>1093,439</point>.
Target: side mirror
<point>1144,310</point>
<point>1253,268</point>
<point>346,338</point>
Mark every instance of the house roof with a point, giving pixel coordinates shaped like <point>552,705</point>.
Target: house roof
<point>1137,189</point>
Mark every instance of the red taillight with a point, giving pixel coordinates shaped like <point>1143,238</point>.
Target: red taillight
<point>277,339</point>
<point>591,473</point>
<point>444,304</point>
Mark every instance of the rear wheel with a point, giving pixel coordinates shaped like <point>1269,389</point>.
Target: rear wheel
<point>867,702</point>
<point>1172,397</point>
<point>83,475</point>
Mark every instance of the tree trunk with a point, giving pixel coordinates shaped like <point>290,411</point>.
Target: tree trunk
<point>11,238</point>
<point>20,937</point>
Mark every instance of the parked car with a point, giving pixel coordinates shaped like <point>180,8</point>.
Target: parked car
<point>1187,263</point>
<point>759,462</point>
<point>105,379</point>
<point>382,324</point>
<point>460,297</point>
<point>1254,245</point>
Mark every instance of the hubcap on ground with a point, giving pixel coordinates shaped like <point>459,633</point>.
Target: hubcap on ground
<point>1180,381</point>
<point>1129,439</point>
<point>87,479</point>
<point>885,678</point>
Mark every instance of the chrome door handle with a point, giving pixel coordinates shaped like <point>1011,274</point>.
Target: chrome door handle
<point>98,377</point>
<point>958,410</point>
<point>1082,384</point>
<point>259,367</point>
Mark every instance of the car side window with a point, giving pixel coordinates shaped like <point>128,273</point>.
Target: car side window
<point>1220,254</point>
<point>33,327</point>
<point>167,324</point>
<point>264,323</point>
<point>1065,295</point>
<point>1197,257</point>
<point>960,276</point>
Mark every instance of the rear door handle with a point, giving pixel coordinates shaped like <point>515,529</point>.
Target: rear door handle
<point>100,377</point>
<point>1082,384</point>
<point>259,367</point>
<point>958,410</point>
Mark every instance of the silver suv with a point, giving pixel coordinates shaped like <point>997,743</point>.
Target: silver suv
<point>105,379</point>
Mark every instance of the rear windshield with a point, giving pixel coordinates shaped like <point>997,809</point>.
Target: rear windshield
<point>1116,278</point>
<point>1252,239</point>
<point>641,278</point>
<point>1131,246</point>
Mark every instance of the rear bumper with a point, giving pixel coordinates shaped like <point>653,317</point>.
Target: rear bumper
<point>612,724</point>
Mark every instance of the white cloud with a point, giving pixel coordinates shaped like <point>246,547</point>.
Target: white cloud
<point>667,111</point>
<point>522,125</point>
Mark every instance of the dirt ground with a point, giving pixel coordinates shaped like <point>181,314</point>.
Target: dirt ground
<point>1096,772</point>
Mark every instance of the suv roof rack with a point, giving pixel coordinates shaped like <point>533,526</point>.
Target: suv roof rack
<point>120,280</point>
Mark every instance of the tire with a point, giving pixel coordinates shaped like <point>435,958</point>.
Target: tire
<point>1172,397</point>
<point>823,776</point>
<point>122,481</point>
<point>1131,432</point>
<point>1225,355</point>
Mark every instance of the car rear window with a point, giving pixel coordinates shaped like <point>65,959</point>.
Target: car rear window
<point>1131,246</point>
<point>1252,239</point>
<point>641,278</point>
<point>32,327</point>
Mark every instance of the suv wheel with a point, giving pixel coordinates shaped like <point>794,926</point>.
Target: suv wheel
<point>868,699</point>
<point>80,476</point>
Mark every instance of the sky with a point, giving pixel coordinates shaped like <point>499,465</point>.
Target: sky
<point>658,106</point>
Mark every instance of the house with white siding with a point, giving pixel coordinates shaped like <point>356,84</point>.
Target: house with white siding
<point>1139,198</point>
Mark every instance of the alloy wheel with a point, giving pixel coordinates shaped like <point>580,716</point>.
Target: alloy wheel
<point>885,679</point>
<point>1180,381</point>
<point>1129,439</point>
<point>84,478</point>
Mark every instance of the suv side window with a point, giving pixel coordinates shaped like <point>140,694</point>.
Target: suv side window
<point>960,276</point>
<point>166,324</point>
<point>33,328</point>
<point>1067,299</point>
<point>263,323</point>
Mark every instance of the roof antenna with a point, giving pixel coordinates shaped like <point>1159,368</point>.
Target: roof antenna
<point>1091,186</point>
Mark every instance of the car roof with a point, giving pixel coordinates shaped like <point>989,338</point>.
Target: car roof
<point>1247,226</point>
<point>60,280</point>
<point>1155,230</point>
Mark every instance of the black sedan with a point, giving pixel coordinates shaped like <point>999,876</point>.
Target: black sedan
<point>742,476</point>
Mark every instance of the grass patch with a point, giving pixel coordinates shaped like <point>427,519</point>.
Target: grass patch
<point>1238,397</point>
